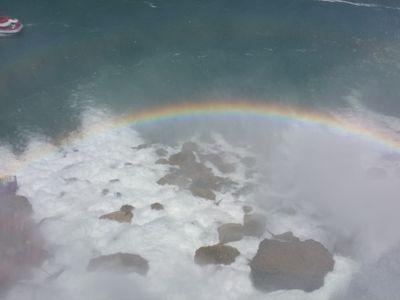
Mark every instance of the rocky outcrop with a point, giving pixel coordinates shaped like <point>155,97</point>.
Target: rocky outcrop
<point>285,262</point>
<point>216,254</point>
<point>120,262</point>
<point>254,224</point>
<point>190,174</point>
<point>230,232</point>
<point>124,215</point>
<point>21,243</point>
<point>157,206</point>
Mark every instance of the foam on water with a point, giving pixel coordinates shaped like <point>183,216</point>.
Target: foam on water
<point>300,172</point>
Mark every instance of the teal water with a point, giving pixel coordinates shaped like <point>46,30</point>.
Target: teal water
<point>125,54</point>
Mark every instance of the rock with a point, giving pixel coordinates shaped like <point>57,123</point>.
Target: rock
<point>216,254</point>
<point>174,178</point>
<point>105,192</point>
<point>254,224</point>
<point>202,192</point>
<point>190,147</point>
<point>161,152</point>
<point>219,163</point>
<point>22,205</point>
<point>286,237</point>
<point>118,195</point>
<point>124,215</point>
<point>128,164</point>
<point>247,209</point>
<point>290,264</point>
<point>182,158</point>
<point>230,232</point>
<point>157,206</point>
<point>162,161</point>
<point>120,262</point>
<point>71,180</point>
<point>114,180</point>
<point>141,146</point>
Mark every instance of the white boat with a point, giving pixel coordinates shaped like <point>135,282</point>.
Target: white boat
<point>9,26</point>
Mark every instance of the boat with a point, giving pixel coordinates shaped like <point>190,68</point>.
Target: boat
<point>9,26</point>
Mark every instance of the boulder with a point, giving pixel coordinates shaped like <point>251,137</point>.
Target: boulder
<point>157,206</point>
<point>104,192</point>
<point>124,215</point>
<point>216,254</point>
<point>254,224</point>
<point>120,262</point>
<point>286,237</point>
<point>230,232</point>
<point>182,158</point>
<point>291,264</point>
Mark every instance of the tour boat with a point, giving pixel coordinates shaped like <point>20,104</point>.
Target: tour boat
<point>9,26</point>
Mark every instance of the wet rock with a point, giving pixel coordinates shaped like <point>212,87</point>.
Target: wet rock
<point>104,192</point>
<point>230,232</point>
<point>128,164</point>
<point>141,146</point>
<point>286,237</point>
<point>157,206</point>
<point>190,147</point>
<point>120,262</point>
<point>118,195</point>
<point>182,158</point>
<point>254,224</point>
<point>247,209</point>
<point>162,161</point>
<point>22,205</point>
<point>202,192</point>
<point>114,180</point>
<point>292,264</point>
<point>124,215</point>
<point>219,163</point>
<point>174,178</point>
<point>161,152</point>
<point>216,254</point>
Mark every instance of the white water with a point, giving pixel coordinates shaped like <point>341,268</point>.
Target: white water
<point>319,174</point>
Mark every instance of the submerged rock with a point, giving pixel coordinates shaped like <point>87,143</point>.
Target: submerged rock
<point>157,206</point>
<point>254,224</point>
<point>124,215</point>
<point>230,232</point>
<point>216,254</point>
<point>291,264</point>
<point>120,262</point>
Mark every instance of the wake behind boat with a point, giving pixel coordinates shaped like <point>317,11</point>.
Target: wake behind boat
<point>9,26</point>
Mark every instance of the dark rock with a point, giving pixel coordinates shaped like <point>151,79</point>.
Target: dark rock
<point>174,178</point>
<point>120,262</point>
<point>219,163</point>
<point>161,152</point>
<point>230,232</point>
<point>157,206</point>
<point>162,161</point>
<point>290,264</point>
<point>286,237</point>
<point>182,158</point>
<point>216,254</point>
<point>190,147</point>
<point>202,192</point>
<point>124,215</point>
<point>254,224</point>
<point>105,192</point>
<point>118,195</point>
<point>247,209</point>
<point>128,164</point>
<point>22,205</point>
<point>114,181</point>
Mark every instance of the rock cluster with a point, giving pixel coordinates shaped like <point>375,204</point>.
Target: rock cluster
<point>188,172</point>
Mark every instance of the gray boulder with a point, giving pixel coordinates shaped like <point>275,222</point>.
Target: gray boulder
<point>254,224</point>
<point>230,232</point>
<point>292,264</point>
<point>216,254</point>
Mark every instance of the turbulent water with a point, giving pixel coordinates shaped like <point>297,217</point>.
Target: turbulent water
<point>79,64</point>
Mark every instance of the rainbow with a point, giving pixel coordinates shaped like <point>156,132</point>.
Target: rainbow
<point>265,110</point>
